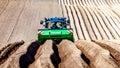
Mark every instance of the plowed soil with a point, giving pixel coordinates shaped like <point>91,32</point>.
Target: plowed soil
<point>82,54</point>
<point>96,32</point>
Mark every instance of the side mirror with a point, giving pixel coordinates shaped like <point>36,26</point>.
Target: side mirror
<point>68,21</point>
<point>41,22</point>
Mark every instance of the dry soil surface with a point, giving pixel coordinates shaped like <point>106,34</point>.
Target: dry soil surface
<point>96,32</point>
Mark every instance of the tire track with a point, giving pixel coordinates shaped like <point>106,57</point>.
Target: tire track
<point>77,25</point>
<point>82,25</point>
<point>105,20</point>
<point>96,24</point>
<point>80,2</point>
<point>110,27</point>
<point>9,17</point>
<point>72,22</point>
<point>87,24</point>
<point>77,2</point>
<point>103,24</point>
<point>100,19</point>
<point>100,24</point>
<point>96,30</point>
<point>116,28</point>
<point>90,24</point>
<point>3,6</point>
<point>115,17</point>
<point>16,23</point>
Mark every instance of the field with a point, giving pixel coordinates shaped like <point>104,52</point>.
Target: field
<point>96,25</point>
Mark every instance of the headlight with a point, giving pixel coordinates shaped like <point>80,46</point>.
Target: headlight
<point>70,31</point>
<point>40,32</point>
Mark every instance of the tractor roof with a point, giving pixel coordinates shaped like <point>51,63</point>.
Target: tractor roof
<point>56,19</point>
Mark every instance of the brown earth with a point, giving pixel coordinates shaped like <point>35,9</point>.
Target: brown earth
<point>82,54</point>
<point>96,32</point>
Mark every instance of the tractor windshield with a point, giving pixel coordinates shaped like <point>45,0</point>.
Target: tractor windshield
<point>56,25</point>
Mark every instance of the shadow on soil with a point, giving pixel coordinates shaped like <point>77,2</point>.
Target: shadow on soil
<point>11,48</point>
<point>85,59</point>
<point>28,58</point>
<point>55,59</point>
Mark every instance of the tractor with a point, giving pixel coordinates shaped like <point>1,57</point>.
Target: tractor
<point>56,28</point>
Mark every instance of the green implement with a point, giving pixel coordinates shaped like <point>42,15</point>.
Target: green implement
<point>55,29</point>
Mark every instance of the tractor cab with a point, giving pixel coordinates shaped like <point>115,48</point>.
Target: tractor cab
<point>55,23</point>
<point>56,28</point>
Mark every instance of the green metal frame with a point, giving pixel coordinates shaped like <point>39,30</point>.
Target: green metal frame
<point>55,34</point>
